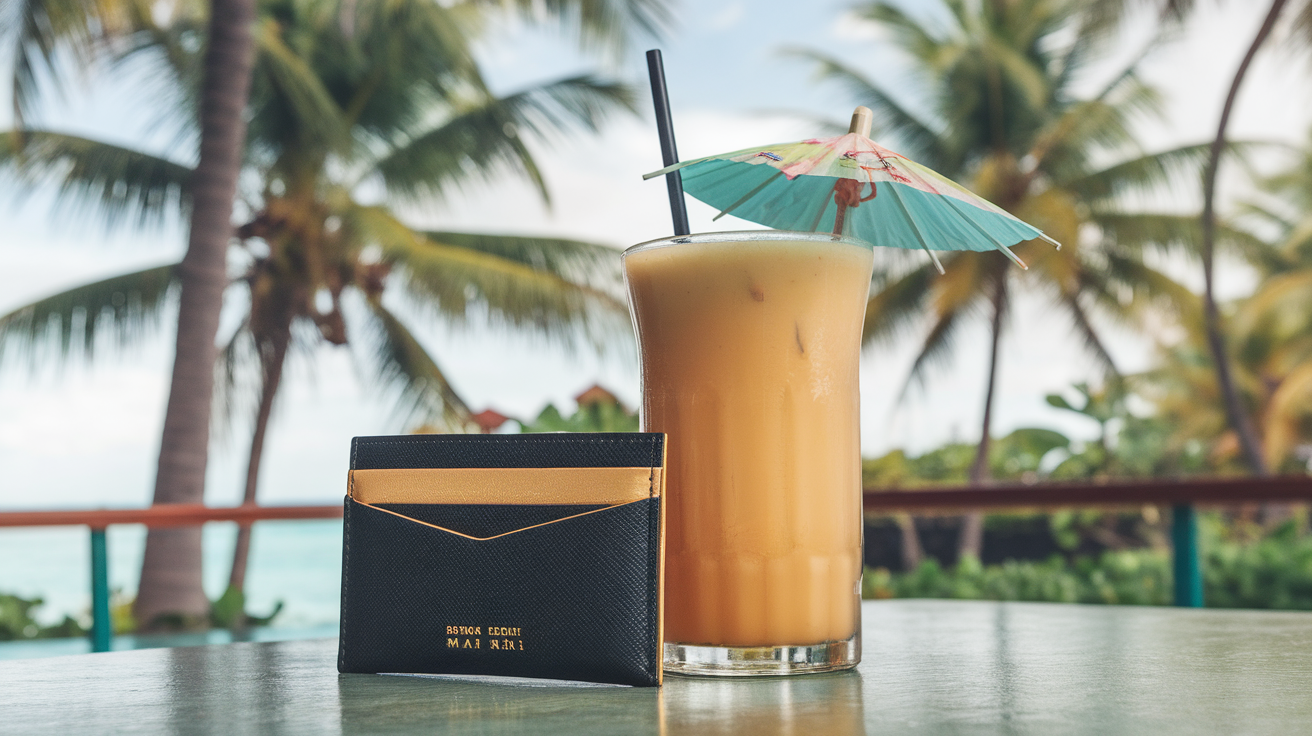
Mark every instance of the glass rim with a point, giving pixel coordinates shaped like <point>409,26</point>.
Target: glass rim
<point>740,235</point>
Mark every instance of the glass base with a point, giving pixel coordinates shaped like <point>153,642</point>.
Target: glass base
<point>709,661</point>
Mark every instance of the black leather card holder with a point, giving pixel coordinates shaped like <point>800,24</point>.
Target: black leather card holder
<point>535,555</point>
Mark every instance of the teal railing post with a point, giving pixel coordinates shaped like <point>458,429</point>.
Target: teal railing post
<point>1185,562</point>
<point>101,625</point>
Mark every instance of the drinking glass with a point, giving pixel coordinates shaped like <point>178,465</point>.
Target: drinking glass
<point>749,346</point>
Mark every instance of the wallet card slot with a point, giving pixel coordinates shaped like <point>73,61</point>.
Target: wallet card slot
<point>590,510</point>
<point>542,486</point>
<point>576,599</point>
<point>483,521</point>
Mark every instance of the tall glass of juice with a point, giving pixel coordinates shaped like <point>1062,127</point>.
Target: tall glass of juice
<point>749,344</point>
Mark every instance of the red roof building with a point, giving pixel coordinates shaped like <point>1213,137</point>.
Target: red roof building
<point>489,420</point>
<point>596,395</point>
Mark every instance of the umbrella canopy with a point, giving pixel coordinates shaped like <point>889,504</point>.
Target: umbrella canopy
<point>850,185</point>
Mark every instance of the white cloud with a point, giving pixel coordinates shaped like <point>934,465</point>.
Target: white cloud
<point>849,26</point>
<point>728,17</point>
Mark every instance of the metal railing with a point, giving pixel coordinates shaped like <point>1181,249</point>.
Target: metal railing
<point>1183,496</point>
<point>166,515</point>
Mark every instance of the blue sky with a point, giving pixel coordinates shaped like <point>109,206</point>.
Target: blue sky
<point>88,436</point>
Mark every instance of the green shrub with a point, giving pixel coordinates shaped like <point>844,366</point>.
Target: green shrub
<point>1274,572</point>
<point>16,621</point>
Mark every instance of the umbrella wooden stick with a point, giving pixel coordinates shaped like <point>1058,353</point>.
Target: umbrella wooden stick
<point>862,118</point>
<point>861,121</point>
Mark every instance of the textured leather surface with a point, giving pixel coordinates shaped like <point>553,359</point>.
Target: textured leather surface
<point>550,450</point>
<point>564,598</point>
<point>582,593</point>
<point>486,520</point>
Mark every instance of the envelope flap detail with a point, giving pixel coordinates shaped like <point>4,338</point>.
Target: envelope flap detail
<point>494,536</point>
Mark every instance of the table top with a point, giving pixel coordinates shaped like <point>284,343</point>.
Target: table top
<point>958,667</point>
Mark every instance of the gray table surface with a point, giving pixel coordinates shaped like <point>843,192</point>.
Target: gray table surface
<point>941,667</point>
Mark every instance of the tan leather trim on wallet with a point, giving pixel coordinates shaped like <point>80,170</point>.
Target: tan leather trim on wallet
<point>538,486</point>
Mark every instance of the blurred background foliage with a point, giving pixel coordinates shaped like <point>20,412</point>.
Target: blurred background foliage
<point>17,622</point>
<point>1274,572</point>
<point>598,411</point>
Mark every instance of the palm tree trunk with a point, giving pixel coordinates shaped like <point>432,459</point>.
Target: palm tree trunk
<point>272,377</point>
<point>912,551</point>
<point>171,569</point>
<point>971,541</point>
<point>1234,409</point>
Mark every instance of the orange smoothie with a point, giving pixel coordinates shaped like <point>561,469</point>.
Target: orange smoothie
<point>750,344</point>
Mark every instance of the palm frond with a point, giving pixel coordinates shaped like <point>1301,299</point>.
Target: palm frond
<point>1168,232</point>
<point>1287,295</point>
<point>610,25</point>
<point>236,378</point>
<point>954,297</point>
<point>890,115</point>
<point>918,37</point>
<point>117,183</point>
<point>1146,173</point>
<point>1127,286</point>
<point>37,28</point>
<point>162,49</point>
<point>318,120</point>
<point>575,260</point>
<point>566,104</point>
<point>935,349</point>
<point>403,364</point>
<point>1287,411</point>
<point>1141,231</point>
<point>454,280</point>
<point>387,63</point>
<point>1087,334</point>
<point>897,306</point>
<point>480,142</point>
<point>122,307</point>
<point>1094,124</point>
<point>1019,71</point>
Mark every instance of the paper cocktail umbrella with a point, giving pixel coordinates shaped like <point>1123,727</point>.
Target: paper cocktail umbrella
<point>852,186</point>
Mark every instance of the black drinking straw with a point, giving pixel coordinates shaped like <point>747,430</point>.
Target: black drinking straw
<point>660,99</point>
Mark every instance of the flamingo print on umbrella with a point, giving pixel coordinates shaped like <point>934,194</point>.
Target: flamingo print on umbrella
<point>850,185</point>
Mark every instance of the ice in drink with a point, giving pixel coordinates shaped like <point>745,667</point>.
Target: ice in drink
<point>750,345</point>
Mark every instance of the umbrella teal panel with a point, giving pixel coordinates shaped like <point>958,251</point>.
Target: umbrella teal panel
<point>899,216</point>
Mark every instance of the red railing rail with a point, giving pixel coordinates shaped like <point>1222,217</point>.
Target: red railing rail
<point>1119,493</point>
<point>163,515</point>
<point>167,515</point>
<point>1182,495</point>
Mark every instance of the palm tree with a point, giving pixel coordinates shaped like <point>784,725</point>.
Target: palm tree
<point>201,278</point>
<point>80,30</point>
<point>348,100</point>
<point>1237,414</point>
<point>1000,110</point>
<point>1272,329</point>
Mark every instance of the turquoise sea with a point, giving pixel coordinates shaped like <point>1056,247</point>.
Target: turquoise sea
<point>297,562</point>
